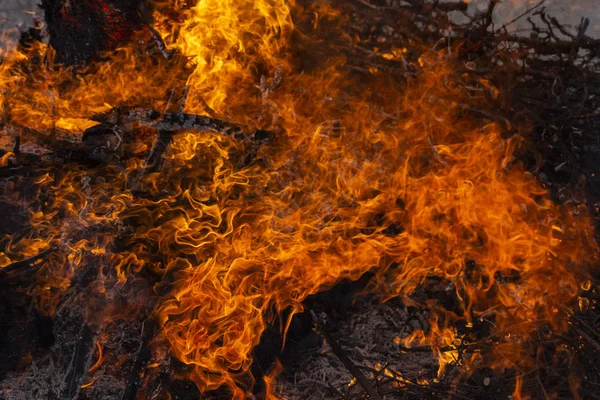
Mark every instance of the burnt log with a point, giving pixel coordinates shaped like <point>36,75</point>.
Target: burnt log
<point>191,122</point>
<point>102,142</point>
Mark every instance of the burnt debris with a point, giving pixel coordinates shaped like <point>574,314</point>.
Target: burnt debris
<point>81,30</point>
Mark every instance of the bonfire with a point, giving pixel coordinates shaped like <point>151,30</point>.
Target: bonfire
<point>299,199</point>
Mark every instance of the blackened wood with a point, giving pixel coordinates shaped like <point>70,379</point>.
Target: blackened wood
<point>163,140</point>
<point>323,327</point>
<point>26,262</point>
<point>81,29</point>
<point>179,121</point>
<point>15,332</point>
<point>102,142</point>
<point>192,122</point>
<point>160,43</point>
<point>84,350</point>
<point>173,123</point>
<point>161,144</point>
<point>141,356</point>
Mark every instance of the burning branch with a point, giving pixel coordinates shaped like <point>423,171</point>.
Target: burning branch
<point>174,123</point>
<point>26,262</point>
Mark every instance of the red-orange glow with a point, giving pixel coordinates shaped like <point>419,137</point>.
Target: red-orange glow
<point>100,359</point>
<point>89,384</point>
<point>270,386</point>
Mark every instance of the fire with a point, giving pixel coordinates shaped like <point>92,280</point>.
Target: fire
<point>270,382</point>
<point>365,174</point>
<point>100,360</point>
<point>227,41</point>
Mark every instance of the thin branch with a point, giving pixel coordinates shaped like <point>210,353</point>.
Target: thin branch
<point>28,261</point>
<point>524,13</point>
<point>343,357</point>
<point>160,43</point>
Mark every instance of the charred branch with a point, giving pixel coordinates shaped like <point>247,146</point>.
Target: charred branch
<point>81,30</point>
<point>173,123</point>
<point>141,358</point>
<point>322,325</point>
<point>160,43</point>
<point>81,360</point>
<point>26,262</point>
<point>160,147</point>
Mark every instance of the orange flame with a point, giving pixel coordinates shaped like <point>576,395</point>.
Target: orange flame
<point>269,379</point>
<point>365,174</point>
<point>100,359</point>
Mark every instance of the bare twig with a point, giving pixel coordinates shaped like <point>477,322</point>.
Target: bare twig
<point>343,357</point>
<point>524,13</point>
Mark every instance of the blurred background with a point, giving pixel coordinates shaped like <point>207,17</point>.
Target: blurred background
<point>18,14</point>
<point>569,12</point>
